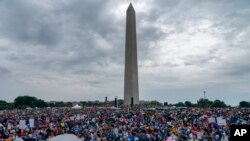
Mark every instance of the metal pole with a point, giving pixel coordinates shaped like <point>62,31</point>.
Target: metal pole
<point>117,102</point>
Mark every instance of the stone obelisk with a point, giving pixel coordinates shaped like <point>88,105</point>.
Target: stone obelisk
<point>131,92</point>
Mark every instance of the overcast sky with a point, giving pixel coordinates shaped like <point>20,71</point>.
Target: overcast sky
<point>73,50</point>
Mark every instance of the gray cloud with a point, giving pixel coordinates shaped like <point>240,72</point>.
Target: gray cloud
<point>24,21</point>
<point>53,48</point>
<point>4,72</point>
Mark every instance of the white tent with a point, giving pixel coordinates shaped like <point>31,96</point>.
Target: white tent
<point>77,106</point>
<point>28,108</point>
<point>113,108</point>
<point>65,137</point>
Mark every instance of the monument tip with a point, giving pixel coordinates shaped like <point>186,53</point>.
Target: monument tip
<point>130,7</point>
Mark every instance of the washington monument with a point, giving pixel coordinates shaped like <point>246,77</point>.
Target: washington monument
<point>131,92</point>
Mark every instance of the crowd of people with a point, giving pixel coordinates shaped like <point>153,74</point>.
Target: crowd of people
<point>106,124</point>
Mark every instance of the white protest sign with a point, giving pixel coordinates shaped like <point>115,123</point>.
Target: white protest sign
<point>22,124</point>
<point>83,116</point>
<point>199,135</point>
<point>221,121</point>
<point>211,120</point>
<point>72,118</point>
<point>78,117</point>
<point>9,126</point>
<point>32,123</point>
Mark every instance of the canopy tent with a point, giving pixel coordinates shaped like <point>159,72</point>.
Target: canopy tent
<point>113,107</point>
<point>77,106</point>
<point>65,137</point>
<point>28,108</point>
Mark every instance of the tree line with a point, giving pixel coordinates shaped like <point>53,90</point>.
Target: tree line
<point>202,103</point>
<point>22,102</point>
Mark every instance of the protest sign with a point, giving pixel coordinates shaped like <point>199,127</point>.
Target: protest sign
<point>211,120</point>
<point>221,121</point>
<point>9,126</point>
<point>32,123</point>
<point>22,124</point>
<point>78,117</point>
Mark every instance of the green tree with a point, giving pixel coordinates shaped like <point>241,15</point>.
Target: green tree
<point>40,103</point>
<point>244,104</point>
<point>83,103</point>
<point>5,105</point>
<point>29,101</point>
<point>60,104</point>
<point>68,104</point>
<point>204,103</point>
<point>2,102</point>
<point>219,104</point>
<point>165,103</point>
<point>180,104</point>
<point>188,104</point>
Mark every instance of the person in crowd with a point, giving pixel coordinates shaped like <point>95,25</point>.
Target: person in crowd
<point>106,124</point>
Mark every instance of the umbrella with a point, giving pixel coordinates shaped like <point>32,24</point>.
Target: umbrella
<point>65,137</point>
